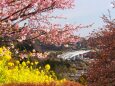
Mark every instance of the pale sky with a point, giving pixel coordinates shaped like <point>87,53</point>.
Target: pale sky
<point>86,12</point>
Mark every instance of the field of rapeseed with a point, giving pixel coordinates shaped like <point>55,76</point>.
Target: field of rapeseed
<point>25,72</point>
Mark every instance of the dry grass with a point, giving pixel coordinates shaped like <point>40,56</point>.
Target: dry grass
<point>67,83</point>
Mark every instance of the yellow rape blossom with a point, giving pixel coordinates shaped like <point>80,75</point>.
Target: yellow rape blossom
<point>5,53</point>
<point>36,62</point>
<point>10,64</point>
<point>1,62</point>
<point>7,57</point>
<point>1,50</point>
<point>28,62</point>
<point>32,63</point>
<point>23,64</point>
<point>17,62</point>
<point>47,67</point>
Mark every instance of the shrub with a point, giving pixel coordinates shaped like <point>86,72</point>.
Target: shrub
<point>102,71</point>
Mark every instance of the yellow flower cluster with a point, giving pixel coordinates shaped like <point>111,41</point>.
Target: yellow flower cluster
<point>14,72</point>
<point>47,67</point>
<point>10,64</point>
<point>25,74</point>
<point>5,53</point>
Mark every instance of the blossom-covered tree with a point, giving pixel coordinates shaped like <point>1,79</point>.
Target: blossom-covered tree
<point>36,14</point>
<point>20,10</point>
<point>102,71</point>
